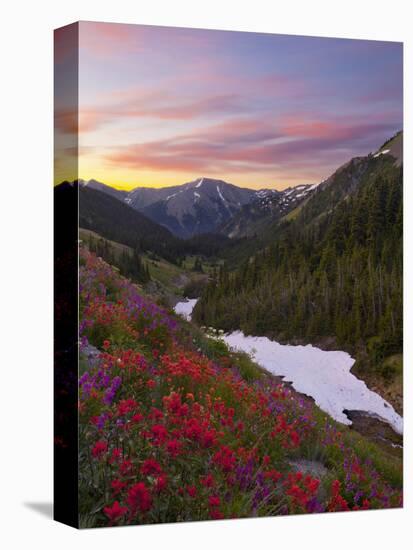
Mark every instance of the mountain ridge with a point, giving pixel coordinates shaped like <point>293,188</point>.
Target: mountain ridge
<point>203,205</point>
<point>208,205</point>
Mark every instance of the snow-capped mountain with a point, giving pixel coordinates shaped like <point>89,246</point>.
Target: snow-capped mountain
<point>268,199</point>
<point>207,205</point>
<point>266,206</point>
<point>199,206</point>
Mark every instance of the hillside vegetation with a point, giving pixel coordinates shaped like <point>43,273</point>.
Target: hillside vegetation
<point>174,427</point>
<point>116,221</point>
<point>333,271</point>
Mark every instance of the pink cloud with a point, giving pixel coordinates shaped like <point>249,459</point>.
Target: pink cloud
<point>119,39</point>
<point>110,39</point>
<point>302,126</point>
<point>161,106</point>
<point>245,145</point>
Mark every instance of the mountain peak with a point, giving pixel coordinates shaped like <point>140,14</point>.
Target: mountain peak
<point>203,205</point>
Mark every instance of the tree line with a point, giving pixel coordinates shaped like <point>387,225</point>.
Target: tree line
<point>336,275</point>
<point>129,263</point>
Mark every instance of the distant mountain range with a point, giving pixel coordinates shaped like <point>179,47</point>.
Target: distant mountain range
<point>211,206</point>
<point>207,205</point>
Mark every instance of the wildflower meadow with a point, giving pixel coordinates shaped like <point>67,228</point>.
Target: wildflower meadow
<point>175,427</point>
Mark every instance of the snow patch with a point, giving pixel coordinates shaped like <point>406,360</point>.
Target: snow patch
<point>220,194</point>
<point>201,181</point>
<point>384,152</point>
<point>223,199</point>
<point>323,375</point>
<point>185,308</point>
<point>173,195</point>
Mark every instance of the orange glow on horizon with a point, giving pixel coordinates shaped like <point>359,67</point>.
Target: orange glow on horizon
<point>127,180</point>
<point>141,119</point>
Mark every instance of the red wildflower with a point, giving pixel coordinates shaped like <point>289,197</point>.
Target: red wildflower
<point>266,460</point>
<point>151,467</point>
<point>99,449</point>
<point>191,490</point>
<point>216,514</point>
<point>337,502</point>
<point>161,483</point>
<point>126,405</point>
<point>155,414</point>
<point>115,511</point>
<point>239,426</point>
<point>366,504</point>
<point>224,458</point>
<point>207,481</point>
<point>295,438</point>
<point>159,433</point>
<point>125,467</point>
<point>214,501</point>
<point>209,438</point>
<point>115,456</point>
<point>174,447</point>
<point>298,494</point>
<point>312,484</point>
<point>117,486</point>
<point>139,497</point>
<point>274,475</point>
<point>106,344</point>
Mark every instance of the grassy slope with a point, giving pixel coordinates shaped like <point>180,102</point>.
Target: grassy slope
<point>170,375</point>
<point>118,248</point>
<point>170,279</point>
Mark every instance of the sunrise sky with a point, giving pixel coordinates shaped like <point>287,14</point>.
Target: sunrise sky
<point>163,106</point>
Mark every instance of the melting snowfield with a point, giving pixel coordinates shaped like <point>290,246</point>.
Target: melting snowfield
<point>185,308</point>
<point>323,375</point>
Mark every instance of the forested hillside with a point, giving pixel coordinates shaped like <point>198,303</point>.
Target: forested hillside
<point>116,221</point>
<point>334,271</point>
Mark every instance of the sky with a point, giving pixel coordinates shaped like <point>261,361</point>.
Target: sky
<point>162,106</point>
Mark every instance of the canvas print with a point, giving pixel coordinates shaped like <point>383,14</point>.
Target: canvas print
<point>228,274</point>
